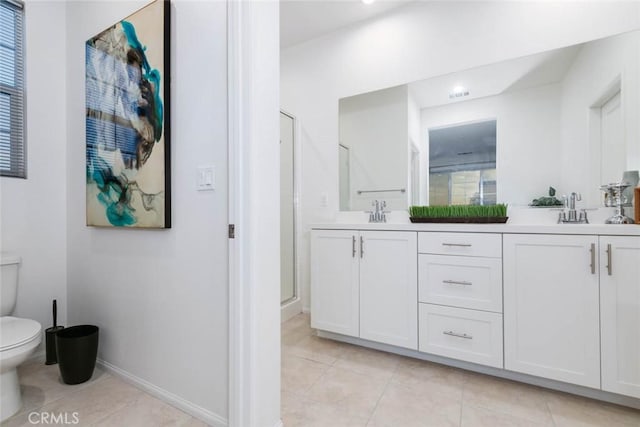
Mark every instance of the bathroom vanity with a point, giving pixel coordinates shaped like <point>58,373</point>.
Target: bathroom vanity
<point>552,305</point>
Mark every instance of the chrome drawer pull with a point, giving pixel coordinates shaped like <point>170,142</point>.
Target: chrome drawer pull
<point>353,246</point>
<point>457,282</point>
<point>453,334</point>
<point>463,245</point>
<point>609,264</point>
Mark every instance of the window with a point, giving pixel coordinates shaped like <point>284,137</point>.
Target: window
<point>462,164</point>
<point>12,150</point>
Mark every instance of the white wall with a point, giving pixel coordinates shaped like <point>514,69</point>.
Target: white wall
<point>420,40</point>
<point>593,71</point>
<point>528,145</point>
<point>374,127</point>
<point>33,211</point>
<point>160,297</point>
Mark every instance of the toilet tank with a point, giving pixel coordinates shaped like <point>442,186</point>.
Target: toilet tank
<point>9,264</point>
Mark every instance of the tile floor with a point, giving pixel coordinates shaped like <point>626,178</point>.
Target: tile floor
<point>331,384</point>
<point>103,401</point>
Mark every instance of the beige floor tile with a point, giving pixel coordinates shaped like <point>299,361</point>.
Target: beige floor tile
<point>145,411</point>
<point>574,411</point>
<point>508,397</point>
<point>429,377</point>
<point>402,406</point>
<point>317,349</point>
<point>298,374</point>
<point>481,417</point>
<point>96,401</point>
<point>298,411</point>
<point>353,393</point>
<point>365,361</point>
<point>298,323</point>
<point>41,384</point>
<point>193,422</point>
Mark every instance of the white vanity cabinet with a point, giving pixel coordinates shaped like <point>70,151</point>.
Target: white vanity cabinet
<point>551,307</point>
<point>460,296</point>
<point>364,284</point>
<point>335,281</point>
<point>620,314</point>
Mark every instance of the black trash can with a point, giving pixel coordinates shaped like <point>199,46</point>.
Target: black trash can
<point>77,349</point>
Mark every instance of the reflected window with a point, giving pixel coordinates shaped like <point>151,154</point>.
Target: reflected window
<point>462,164</point>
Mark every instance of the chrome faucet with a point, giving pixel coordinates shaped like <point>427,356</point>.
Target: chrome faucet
<point>379,214</point>
<point>569,215</point>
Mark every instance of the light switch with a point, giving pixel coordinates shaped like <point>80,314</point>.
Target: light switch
<point>206,178</point>
<point>324,200</point>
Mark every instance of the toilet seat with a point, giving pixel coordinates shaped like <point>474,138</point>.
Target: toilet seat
<point>16,332</point>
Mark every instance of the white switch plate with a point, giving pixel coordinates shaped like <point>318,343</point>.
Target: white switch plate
<point>206,178</point>
<point>324,200</point>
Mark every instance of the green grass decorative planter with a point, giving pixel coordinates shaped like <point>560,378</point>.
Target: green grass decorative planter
<point>474,214</point>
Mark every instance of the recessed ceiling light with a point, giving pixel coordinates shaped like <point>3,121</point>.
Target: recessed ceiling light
<point>368,1</point>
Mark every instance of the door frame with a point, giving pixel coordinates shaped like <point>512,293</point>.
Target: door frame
<point>253,75</point>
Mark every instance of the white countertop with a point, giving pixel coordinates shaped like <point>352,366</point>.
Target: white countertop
<point>521,220</point>
<point>603,229</point>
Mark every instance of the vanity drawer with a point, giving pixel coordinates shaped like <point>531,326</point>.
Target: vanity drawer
<point>468,244</point>
<point>460,281</point>
<point>458,333</point>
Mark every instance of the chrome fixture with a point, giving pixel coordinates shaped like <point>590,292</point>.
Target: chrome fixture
<point>569,215</point>
<point>614,195</point>
<point>379,214</point>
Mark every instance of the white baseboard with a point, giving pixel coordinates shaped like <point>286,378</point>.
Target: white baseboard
<point>196,411</point>
<point>306,310</point>
<point>290,309</point>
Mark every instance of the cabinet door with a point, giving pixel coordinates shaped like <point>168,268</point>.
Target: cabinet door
<point>334,281</point>
<point>620,314</point>
<point>389,288</point>
<point>551,307</point>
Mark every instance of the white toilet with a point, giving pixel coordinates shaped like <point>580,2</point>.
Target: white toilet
<point>18,337</point>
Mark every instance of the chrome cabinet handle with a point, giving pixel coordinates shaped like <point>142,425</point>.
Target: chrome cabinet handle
<point>457,282</point>
<point>593,258</point>
<point>464,245</point>
<point>353,246</point>
<point>609,264</point>
<point>361,247</point>
<point>453,334</point>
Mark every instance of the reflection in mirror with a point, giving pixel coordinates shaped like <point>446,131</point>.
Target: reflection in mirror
<point>462,164</point>
<point>565,118</point>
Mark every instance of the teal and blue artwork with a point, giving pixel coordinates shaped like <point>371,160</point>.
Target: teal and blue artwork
<point>127,112</point>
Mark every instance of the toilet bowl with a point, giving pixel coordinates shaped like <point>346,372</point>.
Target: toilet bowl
<point>18,337</point>
<point>18,340</point>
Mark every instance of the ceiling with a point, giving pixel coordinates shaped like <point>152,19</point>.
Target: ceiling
<point>302,20</point>
<point>516,74</point>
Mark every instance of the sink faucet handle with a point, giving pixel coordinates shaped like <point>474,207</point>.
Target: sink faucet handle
<point>578,197</point>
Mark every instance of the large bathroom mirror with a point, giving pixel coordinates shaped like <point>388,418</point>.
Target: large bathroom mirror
<point>501,133</point>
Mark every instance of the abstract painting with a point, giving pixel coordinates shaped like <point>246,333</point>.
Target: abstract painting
<point>127,118</point>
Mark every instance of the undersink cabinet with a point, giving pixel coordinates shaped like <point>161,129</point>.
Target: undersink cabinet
<point>335,281</point>
<point>620,314</point>
<point>364,284</point>
<point>551,307</point>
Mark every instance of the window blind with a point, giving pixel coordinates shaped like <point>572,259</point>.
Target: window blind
<point>12,145</point>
